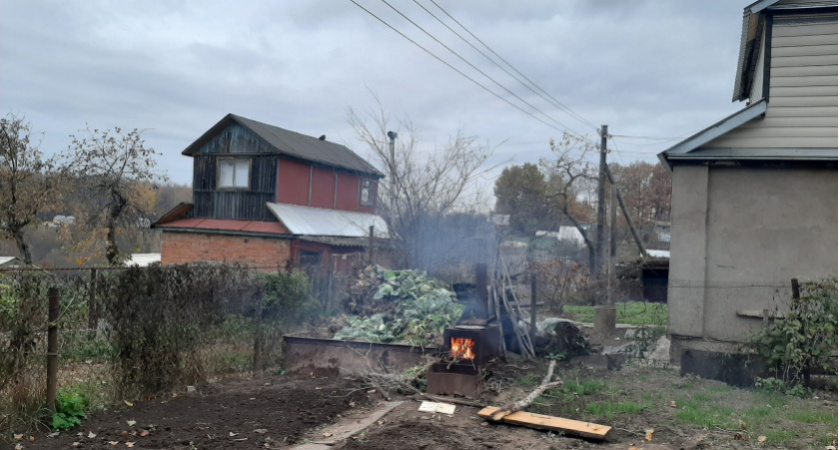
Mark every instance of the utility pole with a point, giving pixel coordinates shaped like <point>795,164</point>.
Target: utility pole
<point>612,252</point>
<point>392,166</point>
<point>602,207</point>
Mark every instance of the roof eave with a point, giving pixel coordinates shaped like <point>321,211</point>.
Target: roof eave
<point>714,131</point>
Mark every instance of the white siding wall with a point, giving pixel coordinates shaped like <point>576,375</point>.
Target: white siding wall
<point>802,110</point>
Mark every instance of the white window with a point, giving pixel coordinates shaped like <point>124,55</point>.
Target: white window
<point>234,174</point>
<point>367,192</point>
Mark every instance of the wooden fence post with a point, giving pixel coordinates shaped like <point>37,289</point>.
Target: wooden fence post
<point>52,349</point>
<point>533,302</point>
<point>258,336</point>
<point>93,310</point>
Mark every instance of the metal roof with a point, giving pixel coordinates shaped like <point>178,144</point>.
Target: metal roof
<point>714,131</point>
<point>10,261</point>
<point>292,144</point>
<point>305,220</point>
<point>143,259</point>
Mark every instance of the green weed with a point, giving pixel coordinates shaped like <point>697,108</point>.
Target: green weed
<point>70,409</point>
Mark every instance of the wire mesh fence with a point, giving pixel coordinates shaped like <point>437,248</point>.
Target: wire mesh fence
<point>133,332</point>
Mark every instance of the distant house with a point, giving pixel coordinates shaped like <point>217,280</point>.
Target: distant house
<point>8,262</point>
<point>754,199</point>
<point>272,198</point>
<point>663,231</point>
<point>143,259</point>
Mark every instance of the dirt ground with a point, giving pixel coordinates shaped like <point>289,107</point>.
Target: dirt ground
<point>221,415</point>
<point>280,411</point>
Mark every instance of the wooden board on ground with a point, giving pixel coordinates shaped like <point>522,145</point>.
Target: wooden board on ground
<point>539,421</point>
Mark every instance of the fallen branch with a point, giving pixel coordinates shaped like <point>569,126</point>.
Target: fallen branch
<point>381,391</point>
<point>524,403</point>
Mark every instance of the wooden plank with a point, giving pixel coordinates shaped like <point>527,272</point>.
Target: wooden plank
<point>541,422</point>
<point>803,91</point>
<point>826,100</point>
<point>800,71</point>
<point>800,111</point>
<point>800,41</point>
<point>804,29</point>
<point>817,80</point>
<point>799,61</point>
<point>807,50</point>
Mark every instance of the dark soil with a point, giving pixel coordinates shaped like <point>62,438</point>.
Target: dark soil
<point>223,415</point>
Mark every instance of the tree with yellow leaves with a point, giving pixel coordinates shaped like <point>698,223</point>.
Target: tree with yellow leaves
<point>113,168</point>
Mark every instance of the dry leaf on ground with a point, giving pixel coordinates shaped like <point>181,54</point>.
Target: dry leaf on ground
<point>649,434</point>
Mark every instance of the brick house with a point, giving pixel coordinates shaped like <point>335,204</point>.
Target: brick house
<point>272,198</point>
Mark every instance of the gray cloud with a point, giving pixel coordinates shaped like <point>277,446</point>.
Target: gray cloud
<point>175,68</point>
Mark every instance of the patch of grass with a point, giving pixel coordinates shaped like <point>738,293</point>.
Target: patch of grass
<point>584,388</point>
<point>610,409</point>
<point>706,413</point>
<point>805,416</point>
<point>780,437</point>
<point>528,380</point>
<point>635,313</point>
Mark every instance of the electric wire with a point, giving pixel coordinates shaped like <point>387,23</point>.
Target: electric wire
<point>430,53</point>
<point>558,102</point>
<point>551,100</point>
<point>474,67</point>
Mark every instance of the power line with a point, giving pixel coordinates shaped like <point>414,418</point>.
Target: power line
<point>493,80</point>
<point>650,138</point>
<point>456,69</point>
<point>543,95</point>
<point>558,102</point>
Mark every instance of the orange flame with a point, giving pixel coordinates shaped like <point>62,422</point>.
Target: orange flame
<point>463,348</point>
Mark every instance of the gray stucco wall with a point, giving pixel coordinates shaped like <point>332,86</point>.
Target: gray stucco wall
<point>738,236</point>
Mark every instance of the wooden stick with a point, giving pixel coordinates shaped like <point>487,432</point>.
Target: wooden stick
<point>524,403</point>
<point>381,391</point>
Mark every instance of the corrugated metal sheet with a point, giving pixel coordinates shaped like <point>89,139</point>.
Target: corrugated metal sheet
<point>305,220</point>
<point>292,144</point>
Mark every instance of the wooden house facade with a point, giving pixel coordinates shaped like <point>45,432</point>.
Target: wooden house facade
<point>273,198</point>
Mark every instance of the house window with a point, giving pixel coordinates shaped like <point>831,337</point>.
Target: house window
<point>234,174</point>
<point>308,259</point>
<point>367,192</point>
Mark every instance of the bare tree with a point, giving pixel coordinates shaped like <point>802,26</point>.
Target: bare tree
<point>114,167</point>
<point>569,171</point>
<point>26,186</point>
<point>420,188</point>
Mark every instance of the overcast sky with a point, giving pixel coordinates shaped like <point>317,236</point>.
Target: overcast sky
<point>657,69</point>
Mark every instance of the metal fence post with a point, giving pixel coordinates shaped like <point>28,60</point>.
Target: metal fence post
<point>52,349</point>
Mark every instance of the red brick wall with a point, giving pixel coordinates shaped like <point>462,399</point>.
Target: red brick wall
<point>180,248</point>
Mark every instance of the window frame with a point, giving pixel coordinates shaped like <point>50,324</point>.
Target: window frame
<point>234,187</point>
<point>371,192</point>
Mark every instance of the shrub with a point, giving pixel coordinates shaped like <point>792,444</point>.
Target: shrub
<point>806,338</point>
<point>287,297</point>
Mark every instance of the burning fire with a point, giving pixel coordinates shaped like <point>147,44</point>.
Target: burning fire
<point>463,348</point>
